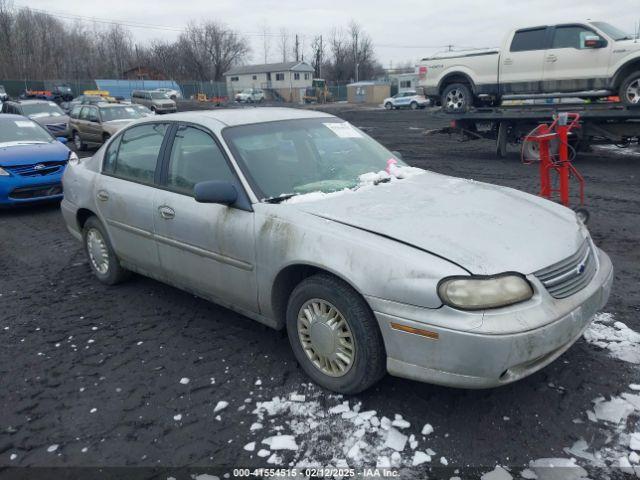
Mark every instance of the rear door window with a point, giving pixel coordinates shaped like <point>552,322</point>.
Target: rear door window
<point>138,153</point>
<point>84,113</point>
<point>527,40</point>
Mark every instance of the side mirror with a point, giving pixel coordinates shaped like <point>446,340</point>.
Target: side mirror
<point>397,154</point>
<point>594,41</point>
<point>62,140</point>
<point>215,191</point>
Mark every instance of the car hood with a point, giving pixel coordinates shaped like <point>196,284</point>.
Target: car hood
<point>14,154</point>
<point>485,229</point>
<point>46,120</point>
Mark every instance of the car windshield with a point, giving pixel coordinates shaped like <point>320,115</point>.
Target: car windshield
<point>158,95</point>
<point>613,32</point>
<point>119,113</point>
<point>22,130</point>
<point>36,110</point>
<point>293,157</point>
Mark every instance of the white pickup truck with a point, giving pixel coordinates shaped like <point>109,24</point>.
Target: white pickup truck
<point>588,59</point>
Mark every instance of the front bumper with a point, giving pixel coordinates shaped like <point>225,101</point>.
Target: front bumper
<point>472,358</point>
<point>173,109</point>
<point>30,190</point>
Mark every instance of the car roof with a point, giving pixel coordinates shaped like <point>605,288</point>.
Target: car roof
<point>11,116</point>
<point>245,116</point>
<point>32,102</point>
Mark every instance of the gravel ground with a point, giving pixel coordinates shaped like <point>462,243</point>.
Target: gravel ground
<point>102,372</point>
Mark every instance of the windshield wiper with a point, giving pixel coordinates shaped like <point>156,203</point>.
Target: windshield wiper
<point>280,198</point>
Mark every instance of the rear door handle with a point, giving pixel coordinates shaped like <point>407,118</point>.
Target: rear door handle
<point>508,61</point>
<point>551,58</point>
<point>102,195</point>
<point>166,212</point>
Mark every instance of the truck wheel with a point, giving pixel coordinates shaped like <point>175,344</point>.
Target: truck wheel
<point>457,97</point>
<point>630,89</point>
<point>334,335</point>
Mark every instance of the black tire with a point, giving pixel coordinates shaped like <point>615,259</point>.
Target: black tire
<point>388,106</point>
<point>629,92</point>
<point>457,98</point>
<point>369,363</point>
<point>114,273</point>
<point>413,106</point>
<point>77,141</point>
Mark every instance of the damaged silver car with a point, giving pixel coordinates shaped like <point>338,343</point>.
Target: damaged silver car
<point>301,221</point>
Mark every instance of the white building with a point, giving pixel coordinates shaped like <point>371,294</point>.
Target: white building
<point>289,80</point>
<point>405,81</point>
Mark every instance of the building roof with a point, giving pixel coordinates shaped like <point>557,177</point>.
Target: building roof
<point>270,67</point>
<point>365,83</point>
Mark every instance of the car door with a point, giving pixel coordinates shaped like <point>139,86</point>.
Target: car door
<point>125,192</point>
<point>92,126</point>
<point>206,248</point>
<point>521,67</point>
<point>571,64</point>
<point>81,123</point>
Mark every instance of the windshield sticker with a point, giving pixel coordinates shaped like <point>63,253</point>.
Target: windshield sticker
<point>343,130</point>
<point>23,124</point>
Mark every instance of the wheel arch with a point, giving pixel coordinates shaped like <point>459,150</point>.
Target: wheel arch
<point>82,215</point>
<point>289,278</point>
<point>456,77</point>
<point>624,70</point>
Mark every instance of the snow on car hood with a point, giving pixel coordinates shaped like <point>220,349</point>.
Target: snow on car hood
<point>484,228</point>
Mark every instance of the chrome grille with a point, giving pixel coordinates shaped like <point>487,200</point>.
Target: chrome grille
<point>570,275</point>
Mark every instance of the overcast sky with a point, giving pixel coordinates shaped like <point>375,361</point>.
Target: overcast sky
<point>401,31</point>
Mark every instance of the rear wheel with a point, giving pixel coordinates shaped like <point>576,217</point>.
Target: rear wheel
<point>630,89</point>
<point>334,335</point>
<point>457,97</point>
<point>102,259</point>
<point>388,106</point>
<point>413,105</point>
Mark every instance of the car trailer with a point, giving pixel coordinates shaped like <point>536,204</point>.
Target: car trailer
<point>600,123</point>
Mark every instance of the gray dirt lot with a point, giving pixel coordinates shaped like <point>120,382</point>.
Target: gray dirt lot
<point>69,344</point>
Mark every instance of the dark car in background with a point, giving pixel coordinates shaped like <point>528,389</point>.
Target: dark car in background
<point>95,124</point>
<point>4,96</point>
<point>46,113</point>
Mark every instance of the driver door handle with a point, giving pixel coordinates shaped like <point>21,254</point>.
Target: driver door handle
<point>551,58</point>
<point>166,212</point>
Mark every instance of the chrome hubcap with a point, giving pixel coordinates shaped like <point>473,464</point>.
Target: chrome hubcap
<point>97,249</point>
<point>326,337</point>
<point>455,99</point>
<point>633,91</point>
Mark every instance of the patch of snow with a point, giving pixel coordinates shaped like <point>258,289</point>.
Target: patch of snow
<point>396,440</point>
<point>258,382</point>
<point>204,476</point>
<point>400,422</point>
<point>177,417</point>
<point>184,380</point>
<point>255,426</point>
<point>294,397</point>
<point>444,461</point>
<point>419,458</point>
<point>497,473</point>
<point>614,411</point>
<point>250,447</point>
<point>557,469</point>
<point>427,429</point>
<point>619,340</point>
<point>93,410</point>
<point>52,448</point>
<point>528,474</point>
<point>13,456</point>
<point>281,442</point>
<point>221,405</point>
<point>263,453</point>
<point>634,441</point>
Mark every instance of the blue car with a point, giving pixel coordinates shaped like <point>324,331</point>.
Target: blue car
<point>32,162</point>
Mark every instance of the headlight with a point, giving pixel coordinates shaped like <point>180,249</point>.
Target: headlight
<point>73,158</point>
<point>3,172</point>
<point>479,292</point>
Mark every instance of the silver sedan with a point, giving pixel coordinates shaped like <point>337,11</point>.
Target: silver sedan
<point>301,221</point>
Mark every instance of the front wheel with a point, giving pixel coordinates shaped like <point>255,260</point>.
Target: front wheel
<point>102,259</point>
<point>414,105</point>
<point>334,335</point>
<point>79,144</point>
<point>388,106</point>
<point>630,89</point>
<point>457,98</point>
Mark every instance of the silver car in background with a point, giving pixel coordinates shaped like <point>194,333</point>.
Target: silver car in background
<point>157,102</point>
<point>301,221</point>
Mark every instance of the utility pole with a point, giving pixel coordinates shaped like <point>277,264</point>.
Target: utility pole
<point>297,49</point>
<point>320,59</point>
<point>355,54</point>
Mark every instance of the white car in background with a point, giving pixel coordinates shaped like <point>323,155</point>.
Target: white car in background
<point>170,93</point>
<point>409,99</point>
<point>250,95</point>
